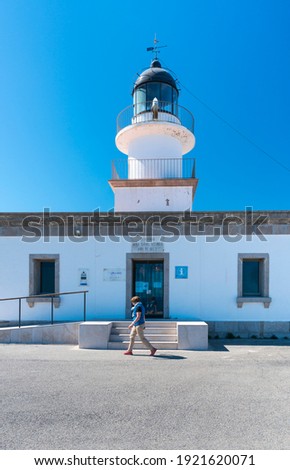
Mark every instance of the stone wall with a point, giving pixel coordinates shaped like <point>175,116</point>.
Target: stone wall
<point>248,329</point>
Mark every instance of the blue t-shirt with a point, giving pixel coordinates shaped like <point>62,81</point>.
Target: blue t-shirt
<point>135,309</point>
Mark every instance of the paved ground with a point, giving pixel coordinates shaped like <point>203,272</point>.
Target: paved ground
<point>234,396</point>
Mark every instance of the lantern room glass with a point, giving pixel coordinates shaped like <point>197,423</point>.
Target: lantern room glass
<point>144,95</point>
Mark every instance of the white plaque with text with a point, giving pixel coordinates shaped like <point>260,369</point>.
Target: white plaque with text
<point>147,247</point>
<point>113,274</point>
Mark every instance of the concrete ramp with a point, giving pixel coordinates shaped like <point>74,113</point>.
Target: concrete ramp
<point>59,333</point>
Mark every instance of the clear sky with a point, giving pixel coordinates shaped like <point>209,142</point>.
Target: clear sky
<point>67,68</point>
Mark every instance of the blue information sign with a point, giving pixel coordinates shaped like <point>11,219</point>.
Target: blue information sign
<point>181,272</point>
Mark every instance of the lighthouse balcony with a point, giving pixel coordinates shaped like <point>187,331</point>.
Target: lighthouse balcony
<point>153,169</point>
<point>150,112</point>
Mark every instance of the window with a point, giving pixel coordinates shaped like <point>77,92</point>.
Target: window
<point>153,91</point>
<point>140,100</point>
<point>47,277</point>
<point>43,277</point>
<point>253,278</point>
<point>166,95</point>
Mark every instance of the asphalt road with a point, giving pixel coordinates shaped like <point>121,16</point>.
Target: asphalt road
<point>60,397</point>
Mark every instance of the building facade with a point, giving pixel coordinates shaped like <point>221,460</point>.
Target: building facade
<point>229,269</point>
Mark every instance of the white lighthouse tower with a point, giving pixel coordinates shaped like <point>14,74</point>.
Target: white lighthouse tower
<point>155,133</point>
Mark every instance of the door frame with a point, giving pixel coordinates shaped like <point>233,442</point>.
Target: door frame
<point>130,258</point>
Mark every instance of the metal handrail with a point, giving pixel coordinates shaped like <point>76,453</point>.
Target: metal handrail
<point>51,296</point>
<point>167,111</point>
<point>152,168</point>
<point>56,294</point>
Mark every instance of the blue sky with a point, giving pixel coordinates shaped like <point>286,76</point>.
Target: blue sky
<point>68,68</point>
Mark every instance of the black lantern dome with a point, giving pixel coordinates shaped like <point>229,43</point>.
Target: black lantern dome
<point>155,82</point>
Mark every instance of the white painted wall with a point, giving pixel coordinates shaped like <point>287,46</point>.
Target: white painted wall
<point>209,293</point>
<point>105,299</point>
<point>146,130</point>
<point>153,199</point>
<point>155,146</point>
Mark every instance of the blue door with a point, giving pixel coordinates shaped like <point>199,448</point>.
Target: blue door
<point>148,284</point>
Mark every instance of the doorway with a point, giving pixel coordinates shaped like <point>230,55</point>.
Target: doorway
<point>148,284</point>
<point>151,268</point>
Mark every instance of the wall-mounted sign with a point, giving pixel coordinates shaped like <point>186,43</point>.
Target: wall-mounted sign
<point>181,272</point>
<point>113,274</point>
<point>147,247</point>
<point>83,276</point>
<point>141,286</point>
<point>157,285</point>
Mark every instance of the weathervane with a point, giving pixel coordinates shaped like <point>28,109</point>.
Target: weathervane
<point>155,48</point>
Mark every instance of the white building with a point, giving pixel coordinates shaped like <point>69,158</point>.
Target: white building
<point>228,269</point>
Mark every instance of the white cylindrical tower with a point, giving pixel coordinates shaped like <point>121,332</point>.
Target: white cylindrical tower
<point>155,132</point>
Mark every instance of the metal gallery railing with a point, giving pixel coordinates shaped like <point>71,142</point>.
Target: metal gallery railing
<point>165,112</point>
<point>153,168</point>
<point>52,298</point>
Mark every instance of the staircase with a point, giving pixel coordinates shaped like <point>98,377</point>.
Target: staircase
<point>162,335</point>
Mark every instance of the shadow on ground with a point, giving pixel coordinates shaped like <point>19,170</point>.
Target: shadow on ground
<point>223,344</point>
<point>172,357</point>
<point>169,356</point>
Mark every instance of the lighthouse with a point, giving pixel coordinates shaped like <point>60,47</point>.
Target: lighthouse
<point>156,134</point>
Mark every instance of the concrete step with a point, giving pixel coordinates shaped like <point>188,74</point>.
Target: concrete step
<point>148,330</point>
<point>162,334</point>
<point>138,345</point>
<point>191,335</point>
<point>149,323</point>
<point>150,337</point>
